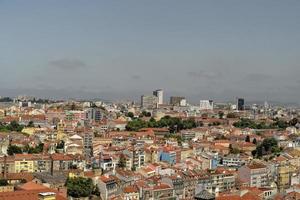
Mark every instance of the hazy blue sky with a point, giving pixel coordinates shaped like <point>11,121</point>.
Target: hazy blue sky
<point>122,49</point>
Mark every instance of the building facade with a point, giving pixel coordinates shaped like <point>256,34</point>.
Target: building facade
<point>149,102</point>
<point>160,96</point>
<point>206,105</point>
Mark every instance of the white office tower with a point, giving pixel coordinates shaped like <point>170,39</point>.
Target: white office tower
<point>266,105</point>
<point>206,105</point>
<point>182,102</point>
<point>160,95</point>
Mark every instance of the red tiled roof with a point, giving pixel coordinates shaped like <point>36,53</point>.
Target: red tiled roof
<point>31,157</point>
<point>58,156</point>
<point>33,117</point>
<point>32,186</point>
<point>106,179</point>
<point>256,166</point>
<point>130,189</point>
<point>161,186</point>
<point>247,196</point>
<point>20,176</point>
<point>89,174</point>
<point>28,195</point>
<point>280,159</point>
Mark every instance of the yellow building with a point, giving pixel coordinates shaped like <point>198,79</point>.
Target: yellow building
<point>60,131</point>
<point>47,196</point>
<point>284,172</point>
<point>186,153</point>
<point>151,155</point>
<point>24,166</point>
<point>24,163</point>
<point>2,113</point>
<point>75,174</point>
<point>7,188</point>
<point>29,130</point>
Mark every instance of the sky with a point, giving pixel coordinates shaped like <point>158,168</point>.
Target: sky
<point>120,49</point>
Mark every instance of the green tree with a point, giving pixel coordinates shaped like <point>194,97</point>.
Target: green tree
<point>30,124</point>
<point>231,115</point>
<point>79,187</point>
<point>61,145</point>
<point>148,114</point>
<point>280,124</point>
<point>152,122</point>
<point>136,125</point>
<point>23,180</point>
<point>248,123</point>
<point>293,122</point>
<point>253,153</point>
<point>173,123</point>
<point>130,114</point>
<point>267,147</point>
<point>13,149</point>
<point>34,150</point>
<point>122,162</point>
<point>96,191</point>
<point>189,124</point>
<point>221,115</point>
<point>179,140</point>
<point>3,182</point>
<point>5,99</point>
<point>259,151</point>
<point>233,150</point>
<point>14,126</point>
<point>145,114</point>
<point>73,106</point>
<point>268,143</point>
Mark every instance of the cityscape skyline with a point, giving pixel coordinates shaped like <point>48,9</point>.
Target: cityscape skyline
<point>149,100</point>
<point>200,50</point>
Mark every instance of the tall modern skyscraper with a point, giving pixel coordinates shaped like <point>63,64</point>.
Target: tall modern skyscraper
<point>160,95</point>
<point>240,105</point>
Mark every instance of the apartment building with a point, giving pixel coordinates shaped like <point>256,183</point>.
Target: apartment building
<point>32,163</point>
<point>108,186</point>
<point>149,102</point>
<point>215,181</point>
<point>233,161</point>
<point>253,175</point>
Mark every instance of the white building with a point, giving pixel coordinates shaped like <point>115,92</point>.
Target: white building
<point>233,161</point>
<point>182,102</point>
<point>25,104</point>
<point>160,95</point>
<point>206,105</point>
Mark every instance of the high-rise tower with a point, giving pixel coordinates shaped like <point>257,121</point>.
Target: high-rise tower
<point>160,95</point>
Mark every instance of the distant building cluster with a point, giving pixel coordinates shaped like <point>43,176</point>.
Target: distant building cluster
<point>153,150</point>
